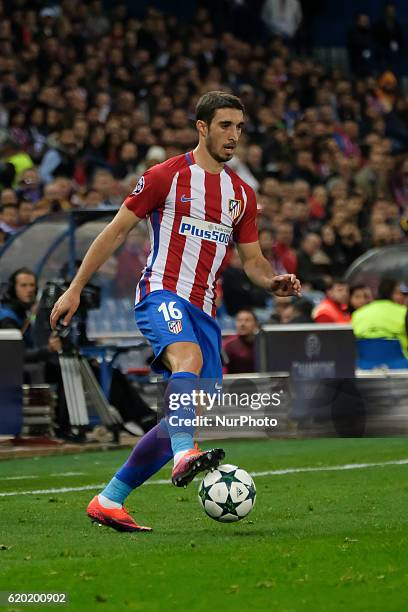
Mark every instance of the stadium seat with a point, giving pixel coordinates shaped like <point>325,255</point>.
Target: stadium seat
<point>376,352</point>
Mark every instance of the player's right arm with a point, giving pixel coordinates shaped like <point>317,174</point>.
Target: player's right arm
<point>104,245</point>
<point>148,194</point>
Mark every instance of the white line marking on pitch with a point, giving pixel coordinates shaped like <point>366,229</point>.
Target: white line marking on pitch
<point>18,477</point>
<point>331,468</point>
<point>30,476</point>
<point>69,474</point>
<point>323,468</point>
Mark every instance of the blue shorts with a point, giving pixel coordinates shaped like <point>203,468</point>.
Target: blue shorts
<point>165,318</point>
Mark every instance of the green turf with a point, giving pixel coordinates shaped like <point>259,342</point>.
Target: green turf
<point>334,540</point>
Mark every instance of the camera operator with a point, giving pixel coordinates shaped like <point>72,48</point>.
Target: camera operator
<point>135,412</point>
<point>17,311</point>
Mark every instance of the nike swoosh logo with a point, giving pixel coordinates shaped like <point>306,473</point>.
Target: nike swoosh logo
<point>186,199</point>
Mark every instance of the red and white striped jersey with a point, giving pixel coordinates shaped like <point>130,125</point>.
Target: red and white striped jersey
<point>192,216</point>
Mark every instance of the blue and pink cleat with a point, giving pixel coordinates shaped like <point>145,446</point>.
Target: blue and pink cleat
<point>193,462</point>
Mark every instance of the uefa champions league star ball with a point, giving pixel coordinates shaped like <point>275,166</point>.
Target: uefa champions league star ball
<point>227,494</point>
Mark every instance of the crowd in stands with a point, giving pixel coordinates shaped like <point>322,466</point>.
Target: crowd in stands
<point>89,100</point>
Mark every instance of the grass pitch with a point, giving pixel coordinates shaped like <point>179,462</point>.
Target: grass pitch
<point>316,540</point>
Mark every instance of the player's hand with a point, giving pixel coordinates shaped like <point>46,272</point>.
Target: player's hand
<point>66,306</point>
<point>284,285</point>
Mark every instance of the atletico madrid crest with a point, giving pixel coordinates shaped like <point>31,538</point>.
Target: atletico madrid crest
<point>175,326</point>
<point>235,208</point>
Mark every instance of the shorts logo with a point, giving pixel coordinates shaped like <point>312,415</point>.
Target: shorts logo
<point>175,326</point>
<point>140,186</point>
<point>235,208</point>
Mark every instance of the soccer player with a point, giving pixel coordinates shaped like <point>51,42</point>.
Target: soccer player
<point>194,205</point>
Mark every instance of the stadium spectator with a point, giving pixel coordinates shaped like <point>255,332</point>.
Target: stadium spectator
<point>266,242</point>
<point>9,223</point>
<point>332,249</point>
<point>386,92</point>
<point>25,213</point>
<point>359,296</point>
<point>238,291</point>
<point>127,163</point>
<point>282,17</point>
<point>284,252</point>
<point>299,310</point>
<point>91,198</point>
<point>52,201</point>
<point>155,155</point>
<point>61,157</point>
<point>313,265</point>
<point>104,182</point>
<point>130,262</point>
<point>400,184</point>
<point>372,178</point>
<point>334,307</point>
<point>248,164</point>
<point>8,197</point>
<point>389,38</point>
<point>318,201</point>
<point>386,316</point>
<point>239,350</point>
<point>29,186</point>
<point>280,305</point>
<point>14,160</point>
<point>350,242</point>
<point>361,46</point>
<point>381,235</point>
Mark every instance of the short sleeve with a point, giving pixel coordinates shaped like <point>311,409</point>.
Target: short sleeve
<point>149,193</point>
<point>246,229</point>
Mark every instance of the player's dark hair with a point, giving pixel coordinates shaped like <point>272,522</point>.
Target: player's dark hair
<point>210,102</point>
<point>386,288</point>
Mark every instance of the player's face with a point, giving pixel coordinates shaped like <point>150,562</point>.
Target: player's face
<point>223,133</point>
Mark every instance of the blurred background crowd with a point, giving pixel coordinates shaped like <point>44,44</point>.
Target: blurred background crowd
<point>90,97</point>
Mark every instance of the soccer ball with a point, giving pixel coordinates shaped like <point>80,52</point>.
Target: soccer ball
<point>227,494</point>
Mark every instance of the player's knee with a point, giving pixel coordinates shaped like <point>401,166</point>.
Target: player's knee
<point>191,361</point>
<point>194,363</point>
<point>185,357</point>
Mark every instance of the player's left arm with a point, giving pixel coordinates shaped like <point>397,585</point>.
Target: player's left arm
<point>260,271</point>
